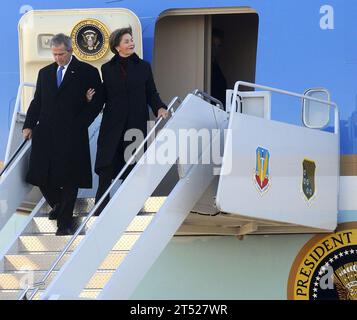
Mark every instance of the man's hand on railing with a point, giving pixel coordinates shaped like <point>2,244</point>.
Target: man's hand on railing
<point>27,134</point>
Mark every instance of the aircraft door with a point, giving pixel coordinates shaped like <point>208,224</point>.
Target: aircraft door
<point>89,29</point>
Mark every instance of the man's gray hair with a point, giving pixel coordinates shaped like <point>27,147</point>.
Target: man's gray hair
<point>61,38</point>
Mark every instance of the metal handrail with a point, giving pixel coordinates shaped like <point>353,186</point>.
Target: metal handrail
<point>35,287</point>
<point>198,92</point>
<point>14,115</point>
<point>13,157</point>
<point>293,94</point>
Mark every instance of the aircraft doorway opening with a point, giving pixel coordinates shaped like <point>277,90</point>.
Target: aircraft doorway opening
<point>182,58</point>
<point>206,49</point>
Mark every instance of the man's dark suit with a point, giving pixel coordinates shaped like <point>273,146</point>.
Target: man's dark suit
<point>59,118</point>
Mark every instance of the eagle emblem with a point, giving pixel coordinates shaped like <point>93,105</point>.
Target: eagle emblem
<point>345,280</point>
<point>90,39</point>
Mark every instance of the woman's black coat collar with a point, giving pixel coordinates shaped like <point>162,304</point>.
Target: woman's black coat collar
<point>116,58</point>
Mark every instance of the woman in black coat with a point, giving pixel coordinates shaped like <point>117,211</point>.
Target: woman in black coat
<point>129,88</point>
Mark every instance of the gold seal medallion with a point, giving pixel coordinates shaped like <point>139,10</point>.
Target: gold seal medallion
<point>326,267</point>
<point>90,39</point>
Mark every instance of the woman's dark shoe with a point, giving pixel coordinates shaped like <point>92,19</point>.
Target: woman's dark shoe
<point>101,206</point>
<point>76,223</point>
<point>54,212</point>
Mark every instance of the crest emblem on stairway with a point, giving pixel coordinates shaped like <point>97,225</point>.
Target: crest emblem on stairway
<point>308,179</point>
<point>261,177</point>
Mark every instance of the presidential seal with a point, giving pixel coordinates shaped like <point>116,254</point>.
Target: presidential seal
<point>90,39</point>
<point>326,267</point>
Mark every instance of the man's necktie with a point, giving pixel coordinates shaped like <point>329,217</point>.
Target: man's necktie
<point>59,76</point>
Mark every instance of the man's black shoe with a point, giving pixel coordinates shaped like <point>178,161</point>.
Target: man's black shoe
<point>64,232</point>
<point>69,231</point>
<point>72,228</point>
<point>54,212</point>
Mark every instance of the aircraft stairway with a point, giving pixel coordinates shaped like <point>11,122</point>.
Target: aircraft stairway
<point>37,260</point>
<point>37,248</point>
<point>121,245</point>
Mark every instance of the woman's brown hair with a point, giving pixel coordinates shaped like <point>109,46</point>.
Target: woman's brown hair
<point>116,37</point>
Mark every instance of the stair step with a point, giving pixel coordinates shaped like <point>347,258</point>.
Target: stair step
<point>9,294</point>
<point>40,225</point>
<point>14,294</point>
<point>20,279</point>
<point>26,207</point>
<point>43,261</point>
<point>38,247</point>
<point>53,243</point>
<point>84,205</point>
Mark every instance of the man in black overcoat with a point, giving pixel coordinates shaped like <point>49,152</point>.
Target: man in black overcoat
<point>68,98</point>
